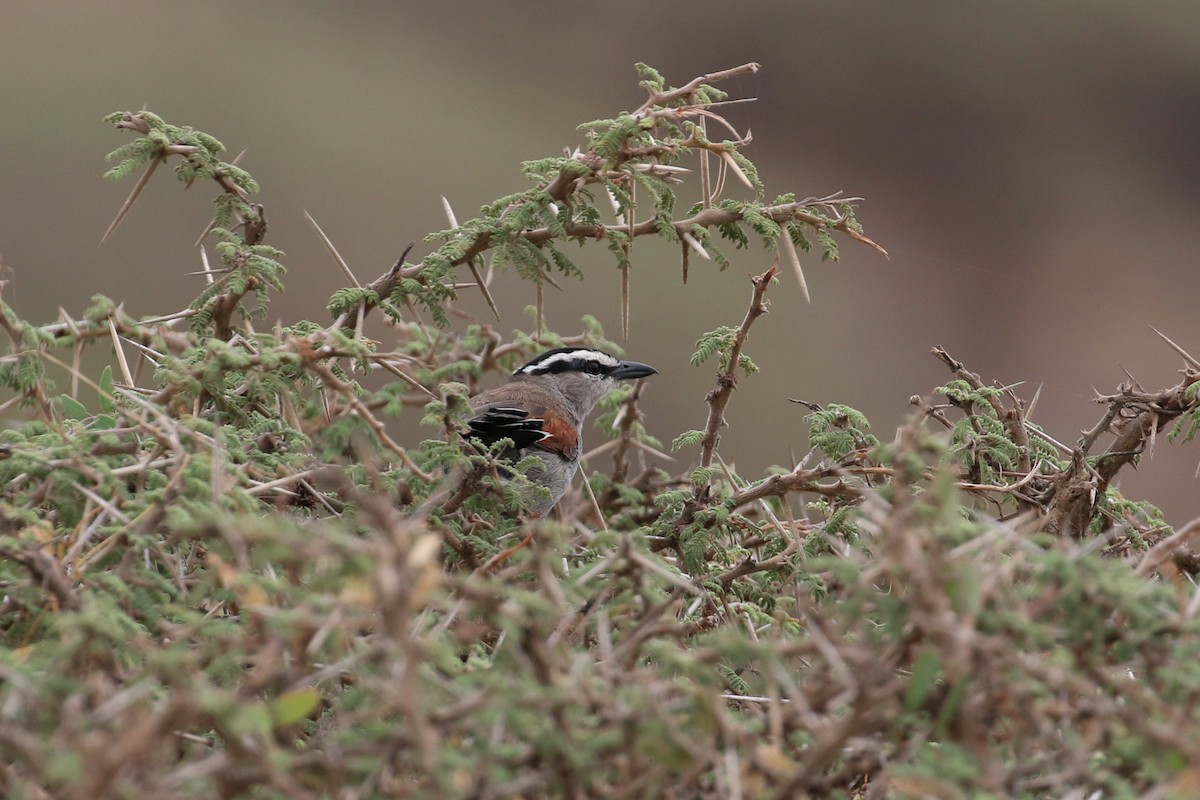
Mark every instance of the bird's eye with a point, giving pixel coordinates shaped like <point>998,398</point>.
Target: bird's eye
<point>593,368</point>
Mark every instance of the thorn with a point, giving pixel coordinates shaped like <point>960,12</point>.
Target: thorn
<point>696,246</point>
<point>400,261</point>
<point>612,198</point>
<point>1192,362</point>
<point>487,295</point>
<point>208,271</point>
<point>737,170</point>
<point>212,223</point>
<point>449,212</point>
<point>133,195</point>
<point>789,249</point>
<point>333,250</point>
<point>625,302</point>
<point>660,169</point>
<point>124,364</point>
<point>1033,402</point>
<point>1133,382</point>
<point>540,308</point>
<point>858,237</point>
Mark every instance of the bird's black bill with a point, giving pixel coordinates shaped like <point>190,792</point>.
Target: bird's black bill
<point>628,370</point>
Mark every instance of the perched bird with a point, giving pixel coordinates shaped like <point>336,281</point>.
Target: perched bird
<point>542,409</point>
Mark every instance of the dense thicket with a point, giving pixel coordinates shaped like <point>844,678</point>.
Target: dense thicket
<point>222,576</point>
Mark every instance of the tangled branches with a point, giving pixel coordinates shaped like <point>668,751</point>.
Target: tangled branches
<point>223,574</point>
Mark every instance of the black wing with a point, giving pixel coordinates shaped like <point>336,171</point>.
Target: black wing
<point>504,422</point>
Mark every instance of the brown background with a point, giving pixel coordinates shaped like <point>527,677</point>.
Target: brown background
<point>1031,167</point>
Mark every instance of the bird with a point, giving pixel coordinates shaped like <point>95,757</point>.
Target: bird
<point>542,408</point>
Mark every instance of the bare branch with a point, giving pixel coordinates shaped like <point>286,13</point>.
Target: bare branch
<point>727,379</point>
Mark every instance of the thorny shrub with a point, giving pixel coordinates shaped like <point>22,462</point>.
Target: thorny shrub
<point>221,576</point>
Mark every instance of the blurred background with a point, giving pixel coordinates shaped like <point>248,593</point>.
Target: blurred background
<point>1032,169</point>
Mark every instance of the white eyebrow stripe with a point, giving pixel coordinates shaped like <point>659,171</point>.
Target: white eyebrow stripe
<point>588,355</point>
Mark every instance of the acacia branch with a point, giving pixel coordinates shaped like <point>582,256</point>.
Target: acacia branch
<point>590,167</point>
<point>1133,415</point>
<point>138,123</point>
<point>1140,416</point>
<point>687,92</point>
<point>254,227</point>
<point>749,566</point>
<point>46,570</point>
<point>798,480</point>
<point>718,398</point>
<point>800,211</point>
<point>1013,418</point>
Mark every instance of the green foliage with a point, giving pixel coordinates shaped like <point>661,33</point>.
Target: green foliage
<point>839,430</point>
<point>651,79</point>
<point>686,439</point>
<point>344,300</point>
<point>721,342</point>
<point>1188,423</point>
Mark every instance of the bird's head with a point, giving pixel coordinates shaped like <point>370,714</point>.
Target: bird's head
<point>583,375</point>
